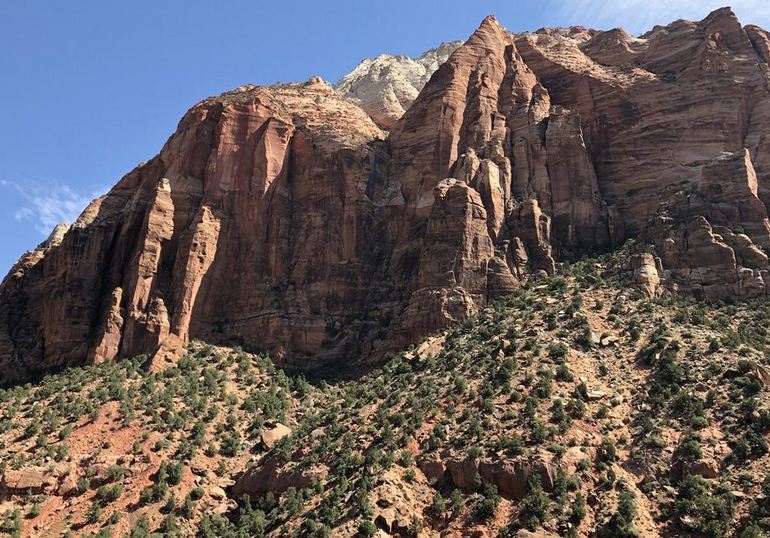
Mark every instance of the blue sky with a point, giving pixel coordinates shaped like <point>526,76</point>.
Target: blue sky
<point>90,88</point>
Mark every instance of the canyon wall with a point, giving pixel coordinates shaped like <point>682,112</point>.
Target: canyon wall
<point>283,218</point>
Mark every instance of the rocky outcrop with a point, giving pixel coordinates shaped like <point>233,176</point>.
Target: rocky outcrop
<point>645,272</point>
<point>23,481</point>
<point>231,232</point>
<point>578,213</point>
<point>387,85</point>
<point>274,218</point>
<point>285,219</point>
<point>511,477</point>
<point>453,276</point>
<point>711,240</point>
<point>654,109</point>
<point>107,343</point>
<point>36,480</point>
<point>273,476</point>
<point>760,39</point>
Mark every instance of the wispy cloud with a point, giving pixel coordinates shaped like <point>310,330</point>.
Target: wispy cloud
<point>638,16</point>
<point>44,205</point>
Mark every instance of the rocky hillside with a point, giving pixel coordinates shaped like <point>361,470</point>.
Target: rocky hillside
<point>387,85</point>
<point>284,219</point>
<point>572,407</point>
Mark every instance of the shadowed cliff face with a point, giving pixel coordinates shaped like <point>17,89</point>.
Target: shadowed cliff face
<point>282,218</point>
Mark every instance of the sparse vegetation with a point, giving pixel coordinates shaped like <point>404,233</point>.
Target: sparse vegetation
<point>566,387</point>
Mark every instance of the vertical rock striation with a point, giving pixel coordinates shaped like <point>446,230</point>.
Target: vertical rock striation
<point>283,218</point>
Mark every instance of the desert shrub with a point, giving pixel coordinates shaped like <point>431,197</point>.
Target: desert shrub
<point>438,506</point>
<point>487,506</point>
<point>708,508</point>
<point>578,513</point>
<point>367,528</point>
<point>689,450</point>
<point>534,508</point>
<point>558,351</point>
<point>230,444</point>
<point>607,452</point>
<point>106,494</point>
<point>94,513</point>
<point>456,501</point>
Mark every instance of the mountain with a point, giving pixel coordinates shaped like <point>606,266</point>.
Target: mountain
<point>387,85</point>
<point>283,219</point>
<point>533,305</point>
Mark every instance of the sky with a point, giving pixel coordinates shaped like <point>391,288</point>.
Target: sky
<point>89,89</point>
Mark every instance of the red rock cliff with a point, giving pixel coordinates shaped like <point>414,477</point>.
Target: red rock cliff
<point>284,219</point>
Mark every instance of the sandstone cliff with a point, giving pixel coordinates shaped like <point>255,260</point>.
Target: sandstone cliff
<point>283,218</point>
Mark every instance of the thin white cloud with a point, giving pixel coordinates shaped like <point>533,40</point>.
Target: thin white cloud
<point>638,16</point>
<point>47,204</point>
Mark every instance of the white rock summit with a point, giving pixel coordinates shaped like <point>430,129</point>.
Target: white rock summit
<point>385,86</point>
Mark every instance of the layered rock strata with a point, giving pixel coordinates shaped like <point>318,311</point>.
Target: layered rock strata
<point>285,219</point>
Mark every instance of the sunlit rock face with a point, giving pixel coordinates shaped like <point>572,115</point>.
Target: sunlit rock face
<point>387,85</point>
<point>285,218</point>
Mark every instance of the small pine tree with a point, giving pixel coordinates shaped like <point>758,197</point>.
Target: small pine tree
<point>457,501</point>
<point>534,509</point>
<point>438,507</point>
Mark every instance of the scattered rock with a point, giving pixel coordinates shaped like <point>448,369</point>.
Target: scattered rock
<point>609,340</point>
<point>594,395</point>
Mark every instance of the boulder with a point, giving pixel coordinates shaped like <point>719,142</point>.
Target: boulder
<point>705,467</point>
<point>763,374</point>
<point>217,493</point>
<point>272,434</point>
<point>23,481</point>
<point>67,487</point>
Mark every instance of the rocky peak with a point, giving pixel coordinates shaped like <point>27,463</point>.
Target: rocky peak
<point>760,39</point>
<point>613,47</point>
<point>283,218</point>
<point>387,85</point>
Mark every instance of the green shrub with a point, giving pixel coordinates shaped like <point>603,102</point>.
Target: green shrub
<point>534,508</point>
<point>487,506</point>
<point>438,506</point>
<point>367,528</point>
<point>708,508</point>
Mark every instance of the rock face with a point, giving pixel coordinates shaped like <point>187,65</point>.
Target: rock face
<point>711,240</point>
<point>234,230</point>
<point>285,219</point>
<point>387,85</point>
<point>511,477</point>
<point>655,109</point>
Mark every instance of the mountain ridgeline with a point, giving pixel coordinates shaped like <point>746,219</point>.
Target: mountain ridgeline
<point>286,219</point>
